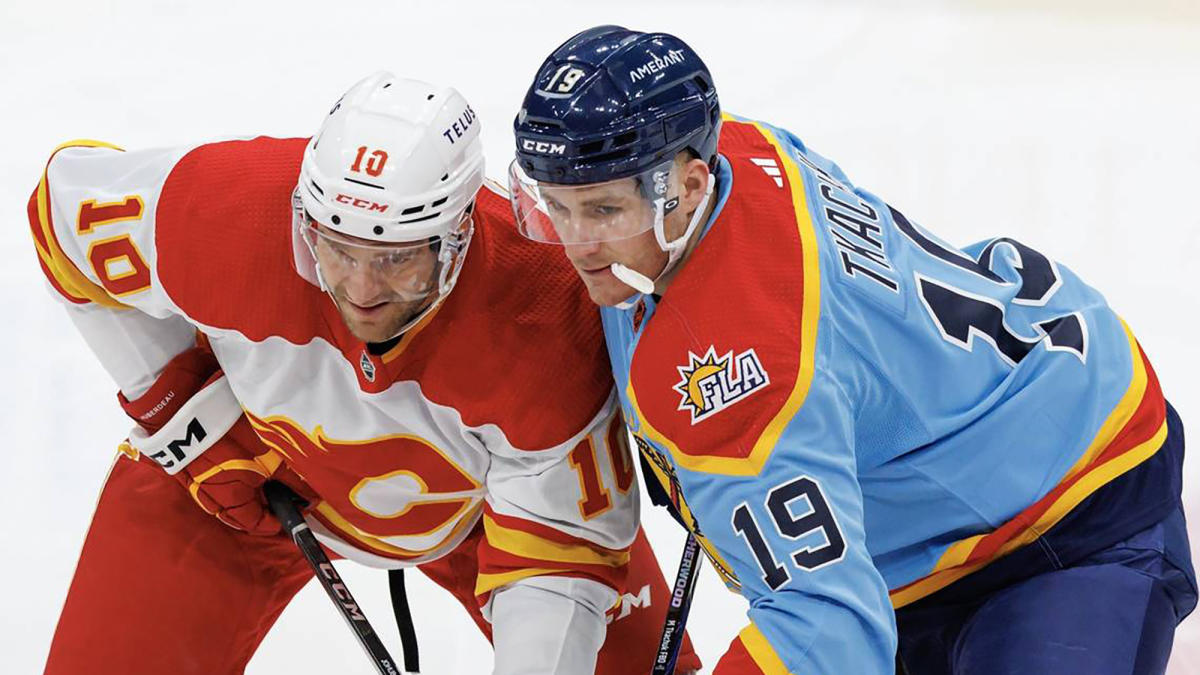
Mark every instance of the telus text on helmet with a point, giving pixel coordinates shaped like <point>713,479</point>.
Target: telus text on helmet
<point>460,126</point>
<point>656,64</point>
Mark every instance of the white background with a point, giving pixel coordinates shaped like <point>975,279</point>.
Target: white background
<point>1071,125</point>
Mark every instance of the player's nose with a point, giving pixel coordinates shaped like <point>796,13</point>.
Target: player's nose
<point>363,285</point>
<point>580,252</point>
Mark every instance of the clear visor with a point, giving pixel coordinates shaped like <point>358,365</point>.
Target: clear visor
<point>411,271</point>
<point>591,213</point>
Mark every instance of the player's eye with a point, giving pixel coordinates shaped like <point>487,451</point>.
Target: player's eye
<point>344,257</point>
<point>396,258</point>
<point>340,256</point>
<point>606,211</point>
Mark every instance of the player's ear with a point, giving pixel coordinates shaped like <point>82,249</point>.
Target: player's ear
<point>694,174</point>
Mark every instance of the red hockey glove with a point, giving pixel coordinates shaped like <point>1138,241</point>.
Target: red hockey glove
<point>192,425</point>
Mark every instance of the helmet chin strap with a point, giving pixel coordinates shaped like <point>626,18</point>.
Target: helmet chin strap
<point>636,280</point>
<point>674,248</point>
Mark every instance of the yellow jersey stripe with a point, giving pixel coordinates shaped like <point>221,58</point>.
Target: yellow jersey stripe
<point>527,545</point>
<point>485,583</point>
<point>761,651</point>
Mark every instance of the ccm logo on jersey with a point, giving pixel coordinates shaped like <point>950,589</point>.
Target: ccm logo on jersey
<point>710,384</point>
<point>543,147</point>
<point>358,203</point>
<point>629,602</point>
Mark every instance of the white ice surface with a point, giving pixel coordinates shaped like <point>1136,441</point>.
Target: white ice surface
<point>1070,125</point>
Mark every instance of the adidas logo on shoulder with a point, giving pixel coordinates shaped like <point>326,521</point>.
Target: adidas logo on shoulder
<point>771,167</point>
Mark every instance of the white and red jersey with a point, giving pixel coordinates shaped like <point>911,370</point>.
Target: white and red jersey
<point>499,405</point>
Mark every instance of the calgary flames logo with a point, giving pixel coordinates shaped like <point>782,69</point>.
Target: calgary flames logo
<point>392,486</point>
<point>710,384</point>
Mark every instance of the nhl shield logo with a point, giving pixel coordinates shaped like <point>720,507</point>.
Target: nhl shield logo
<point>368,368</point>
<point>711,384</point>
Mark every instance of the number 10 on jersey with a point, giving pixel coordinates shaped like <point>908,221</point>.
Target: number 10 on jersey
<point>117,262</point>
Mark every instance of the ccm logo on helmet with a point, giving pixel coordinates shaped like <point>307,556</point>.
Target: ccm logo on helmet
<point>543,147</point>
<point>364,204</point>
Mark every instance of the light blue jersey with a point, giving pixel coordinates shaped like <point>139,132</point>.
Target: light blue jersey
<point>853,414</point>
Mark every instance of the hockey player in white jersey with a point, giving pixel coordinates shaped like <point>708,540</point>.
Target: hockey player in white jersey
<point>261,326</point>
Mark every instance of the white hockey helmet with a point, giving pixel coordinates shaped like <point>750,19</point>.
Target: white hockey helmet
<point>396,162</point>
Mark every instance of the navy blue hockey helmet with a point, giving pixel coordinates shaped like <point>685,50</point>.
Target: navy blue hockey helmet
<point>611,103</point>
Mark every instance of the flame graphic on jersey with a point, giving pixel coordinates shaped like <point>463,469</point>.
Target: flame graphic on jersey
<point>709,384</point>
<point>387,494</point>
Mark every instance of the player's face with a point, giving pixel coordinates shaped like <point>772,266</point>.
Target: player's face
<point>641,252</point>
<point>377,287</point>
<point>582,215</point>
<point>611,222</point>
<point>593,260</point>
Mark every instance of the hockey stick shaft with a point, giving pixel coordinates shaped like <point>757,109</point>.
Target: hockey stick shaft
<point>677,611</point>
<point>283,504</point>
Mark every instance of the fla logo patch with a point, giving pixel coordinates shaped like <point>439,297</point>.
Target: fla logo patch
<point>710,384</point>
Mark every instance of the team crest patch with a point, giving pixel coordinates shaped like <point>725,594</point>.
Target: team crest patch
<point>639,313</point>
<point>368,368</point>
<point>710,384</point>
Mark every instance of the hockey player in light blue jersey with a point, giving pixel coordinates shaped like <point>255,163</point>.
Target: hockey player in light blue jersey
<point>880,440</point>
